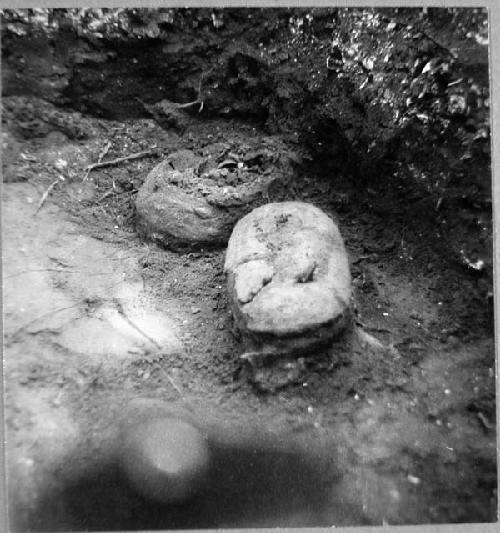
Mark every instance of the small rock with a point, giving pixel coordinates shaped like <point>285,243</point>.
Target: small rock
<point>195,310</point>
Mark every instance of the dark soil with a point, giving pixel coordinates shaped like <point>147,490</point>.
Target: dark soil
<point>400,436</point>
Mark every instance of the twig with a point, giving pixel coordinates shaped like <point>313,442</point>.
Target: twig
<point>360,258</point>
<point>120,310</point>
<point>456,82</point>
<point>189,104</point>
<point>486,423</point>
<point>60,270</point>
<point>102,153</point>
<point>173,104</point>
<point>40,270</point>
<point>14,334</point>
<point>105,195</point>
<point>200,84</point>
<point>199,98</point>
<point>176,105</point>
<point>112,162</point>
<point>174,385</point>
<point>199,95</point>
<point>46,194</point>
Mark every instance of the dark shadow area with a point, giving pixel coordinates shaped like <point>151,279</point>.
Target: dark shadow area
<point>248,487</point>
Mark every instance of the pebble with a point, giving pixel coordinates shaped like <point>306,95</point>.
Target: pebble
<point>195,310</point>
<point>165,459</point>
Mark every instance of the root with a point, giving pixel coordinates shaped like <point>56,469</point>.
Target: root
<point>119,160</point>
<point>46,194</point>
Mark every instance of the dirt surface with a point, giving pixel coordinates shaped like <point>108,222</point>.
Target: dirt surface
<point>378,117</point>
<point>100,327</point>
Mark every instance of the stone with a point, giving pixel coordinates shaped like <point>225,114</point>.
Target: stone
<point>165,459</point>
<point>288,277</point>
<point>180,206</point>
<point>172,216</point>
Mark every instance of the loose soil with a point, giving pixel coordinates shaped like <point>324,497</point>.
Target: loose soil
<point>101,327</point>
